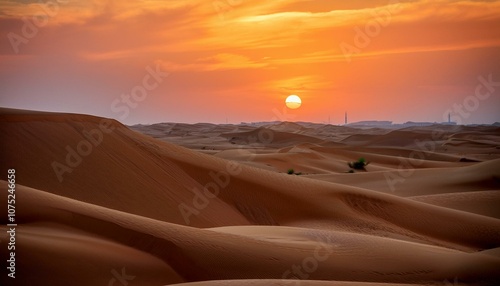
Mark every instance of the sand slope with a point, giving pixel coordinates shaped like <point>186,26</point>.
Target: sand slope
<point>137,204</point>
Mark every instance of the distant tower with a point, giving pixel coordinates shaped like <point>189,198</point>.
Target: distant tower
<point>449,117</point>
<point>346,118</point>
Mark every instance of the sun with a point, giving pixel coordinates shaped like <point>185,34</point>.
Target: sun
<point>293,101</point>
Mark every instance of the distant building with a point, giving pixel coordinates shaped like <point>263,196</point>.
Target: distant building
<point>423,124</point>
<point>372,123</point>
<point>389,124</point>
<point>448,123</point>
<point>411,123</point>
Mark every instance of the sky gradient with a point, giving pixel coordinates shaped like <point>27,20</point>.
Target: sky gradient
<point>239,59</point>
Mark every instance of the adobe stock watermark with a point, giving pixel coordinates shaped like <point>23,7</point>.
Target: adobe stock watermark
<point>363,36</point>
<point>282,115</point>
<point>470,104</point>
<point>448,283</point>
<point>151,80</point>
<point>74,155</point>
<point>310,264</point>
<point>220,180</point>
<point>484,89</point>
<point>122,278</point>
<point>224,6</point>
<point>122,106</point>
<point>32,25</point>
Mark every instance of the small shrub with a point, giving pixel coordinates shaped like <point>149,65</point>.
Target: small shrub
<point>292,172</point>
<point>359,165</point>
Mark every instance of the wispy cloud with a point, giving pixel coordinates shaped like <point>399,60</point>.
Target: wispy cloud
<point>217,62</point>
<point>266,47</point>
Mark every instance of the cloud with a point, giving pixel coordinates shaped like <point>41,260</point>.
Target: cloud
<point>223,61</point>
<point>163,29</point>
<point>298,84</point>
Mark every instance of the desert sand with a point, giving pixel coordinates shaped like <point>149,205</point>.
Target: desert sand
<point>101,203</point>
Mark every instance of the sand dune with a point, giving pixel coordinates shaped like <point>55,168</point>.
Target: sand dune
<point>241,252</point>
<point>164,214</point>
<point>479,202</point>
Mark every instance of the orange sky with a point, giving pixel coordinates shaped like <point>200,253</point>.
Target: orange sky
<point>240,59</point>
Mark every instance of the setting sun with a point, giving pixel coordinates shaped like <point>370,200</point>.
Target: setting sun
<point>293,102</point>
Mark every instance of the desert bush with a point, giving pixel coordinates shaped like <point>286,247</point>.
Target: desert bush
<point>359,165</point>
<point>292,172</point>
